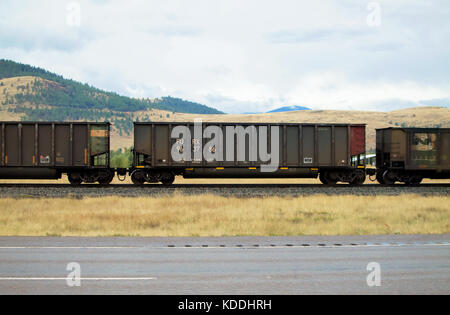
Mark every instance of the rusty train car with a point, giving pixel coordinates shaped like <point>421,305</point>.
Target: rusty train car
<point>334,152</point>
<point>162,150</point>
<point>409,155</point>
<point>47,150</point>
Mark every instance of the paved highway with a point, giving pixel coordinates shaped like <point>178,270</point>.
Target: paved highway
<point>244,265</point>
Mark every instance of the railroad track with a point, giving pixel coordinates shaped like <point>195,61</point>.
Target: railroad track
<point>235,190</point>
<point>176,186</point>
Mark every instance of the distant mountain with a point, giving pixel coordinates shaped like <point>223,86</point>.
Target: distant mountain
<point>37,94</point>
<point>289,109</point>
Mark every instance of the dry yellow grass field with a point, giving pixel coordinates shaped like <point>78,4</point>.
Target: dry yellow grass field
<point>207,215</point>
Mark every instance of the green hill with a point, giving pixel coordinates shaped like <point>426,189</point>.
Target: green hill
<point>39,95</point>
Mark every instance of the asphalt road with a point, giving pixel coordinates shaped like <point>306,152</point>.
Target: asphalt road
<point>243,265</point>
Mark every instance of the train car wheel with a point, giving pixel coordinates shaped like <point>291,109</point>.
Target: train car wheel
<point>326,180</point>
<point>137,179</point>
<point>359,177</point>
<point>413,180</point>
<point>168,179</point>
<point>389,178</point>
<point>379,177</point>
<point>358,181</point>
<point>106,180</point>
<point>74,180</point>
<point>323,179</point>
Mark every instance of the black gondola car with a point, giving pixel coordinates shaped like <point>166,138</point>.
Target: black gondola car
<point>409,155</point>
<point>47,150</point>
<point>331,151</point>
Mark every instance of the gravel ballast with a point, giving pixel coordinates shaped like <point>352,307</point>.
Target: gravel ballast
<point>250,190</point>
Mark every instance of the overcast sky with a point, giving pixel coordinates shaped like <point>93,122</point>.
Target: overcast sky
<point>242,55</point>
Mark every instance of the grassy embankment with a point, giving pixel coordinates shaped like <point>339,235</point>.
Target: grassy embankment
<point>207,215</point>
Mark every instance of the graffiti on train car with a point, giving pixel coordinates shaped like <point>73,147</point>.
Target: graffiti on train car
<point>188,146</point>
<point>424,149</point>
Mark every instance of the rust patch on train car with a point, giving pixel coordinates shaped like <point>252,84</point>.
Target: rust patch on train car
<point>357,140</point>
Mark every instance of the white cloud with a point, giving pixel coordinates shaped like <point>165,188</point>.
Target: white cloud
<point>334,91</point>
<point>241,56</point>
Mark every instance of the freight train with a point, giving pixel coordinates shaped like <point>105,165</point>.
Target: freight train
<point>163,150</point>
